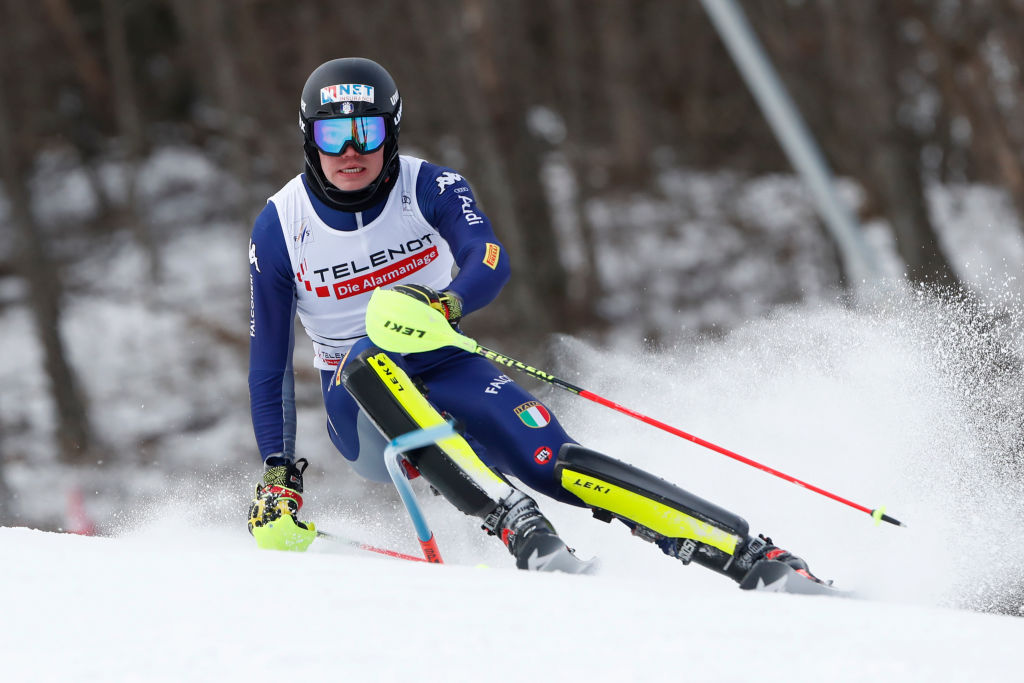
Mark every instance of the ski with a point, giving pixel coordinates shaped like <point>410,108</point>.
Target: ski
<point>559,559</point>
<point>778,577</point>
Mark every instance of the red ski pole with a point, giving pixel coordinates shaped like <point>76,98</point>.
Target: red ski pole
<point>369,548</point>
<point>397,322</point>
<point>878,514</point>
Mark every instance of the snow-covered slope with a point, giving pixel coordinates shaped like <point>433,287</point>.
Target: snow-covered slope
<point>904,401</point>
<point>186,604</point>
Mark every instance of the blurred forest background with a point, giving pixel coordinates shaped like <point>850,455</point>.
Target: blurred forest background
<point>611,94</point>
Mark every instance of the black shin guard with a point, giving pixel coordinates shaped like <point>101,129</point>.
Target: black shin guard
<point>396,407</point>
<point>684,525</point>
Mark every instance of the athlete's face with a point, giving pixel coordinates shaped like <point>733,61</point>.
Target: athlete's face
<point>352,171</point>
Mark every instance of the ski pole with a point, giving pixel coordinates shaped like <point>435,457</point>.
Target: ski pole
<point>366,546</point>
<point>399,323</point>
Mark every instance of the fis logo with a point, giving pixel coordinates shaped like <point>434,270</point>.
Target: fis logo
<point>351,92</point>
<point>542,455</point>
<point>446,179</point>
<point>301,234</point>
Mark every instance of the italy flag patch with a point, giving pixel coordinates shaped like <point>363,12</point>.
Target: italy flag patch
<point>534,415</point>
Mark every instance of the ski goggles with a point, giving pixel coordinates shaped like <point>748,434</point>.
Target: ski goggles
<point>365,133</point>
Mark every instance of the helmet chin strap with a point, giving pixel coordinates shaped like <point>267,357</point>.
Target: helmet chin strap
<point>357,200</point>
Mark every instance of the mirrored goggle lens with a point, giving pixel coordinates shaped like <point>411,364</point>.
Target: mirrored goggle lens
<point>365,133</point>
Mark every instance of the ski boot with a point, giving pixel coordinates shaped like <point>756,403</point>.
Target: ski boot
<point>772,568</point>
<point>761,549</point>
<point>531,539</point>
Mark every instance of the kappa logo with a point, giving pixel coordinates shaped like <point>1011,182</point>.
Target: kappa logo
<point>446,179</point>
<point>253,261</point>
<point>351,92</point>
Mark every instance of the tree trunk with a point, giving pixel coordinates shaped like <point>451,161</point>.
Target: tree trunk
<point>585,289</point>
<point>624,105</point>
<point>74,433</point>
<point>129,123</point>
<point>212,53</point>
<point>967,85</point>
<point>891,166</point>
<point>467,58</point>
<point>6,500</point>
<point>510,94</point>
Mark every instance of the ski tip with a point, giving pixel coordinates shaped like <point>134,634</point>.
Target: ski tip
<point>772,576</point>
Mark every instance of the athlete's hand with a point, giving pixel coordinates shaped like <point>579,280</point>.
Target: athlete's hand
<point>448,303</point>
<point>272,513</point>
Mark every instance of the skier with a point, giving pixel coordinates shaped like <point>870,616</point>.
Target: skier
<point>362,216</point>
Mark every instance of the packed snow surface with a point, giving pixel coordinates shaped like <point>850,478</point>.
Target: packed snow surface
<point>188,604</point>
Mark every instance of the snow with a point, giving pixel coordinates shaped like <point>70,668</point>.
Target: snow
<point>892,403</point>
<point>907,401</point>
<point>188,603</point>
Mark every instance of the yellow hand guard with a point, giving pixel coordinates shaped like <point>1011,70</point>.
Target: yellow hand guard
<point>272,514</point>
<point>284,534</point>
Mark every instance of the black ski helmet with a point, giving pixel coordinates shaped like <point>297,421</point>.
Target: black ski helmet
<point>351,86</point>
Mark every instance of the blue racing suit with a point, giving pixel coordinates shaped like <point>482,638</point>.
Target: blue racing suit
<point>510,430</point>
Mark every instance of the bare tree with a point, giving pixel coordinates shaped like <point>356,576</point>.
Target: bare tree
<point>43,291</point>
<point>479,80</point>
<point>865,57</point>
<point>623,103</point>
<point>129,124</point>
<point>893,164</point>
<point>965,79</point>
<point>212,48</point>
